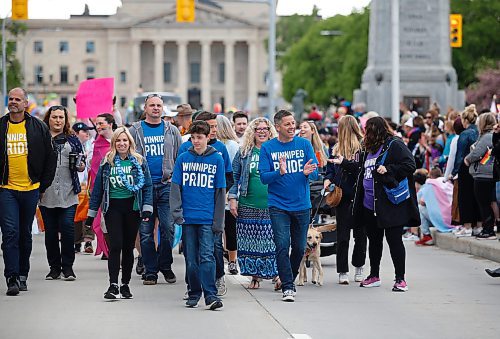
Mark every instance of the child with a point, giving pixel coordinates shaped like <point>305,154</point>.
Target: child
<point>197,201</point>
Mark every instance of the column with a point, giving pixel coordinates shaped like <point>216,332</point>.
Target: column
<point>113,60</point>
<point>206,91</point>
<point>158,65</point>
<point>182,70</point>
<point>253,76</point>
<point>135,67</point>
<point>229,76</point>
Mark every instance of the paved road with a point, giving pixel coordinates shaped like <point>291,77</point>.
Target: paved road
<point>450,297</point>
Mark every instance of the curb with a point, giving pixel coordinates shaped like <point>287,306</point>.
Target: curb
<point>488,249</point>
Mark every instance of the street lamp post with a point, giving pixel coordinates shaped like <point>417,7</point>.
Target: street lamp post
<point>272,56</point>
<point>395,61</point>
<point>4,64</point>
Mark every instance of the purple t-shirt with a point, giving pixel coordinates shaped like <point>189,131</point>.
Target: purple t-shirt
<point>368,198</point>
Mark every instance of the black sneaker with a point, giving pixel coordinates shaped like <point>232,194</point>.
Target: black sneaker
<point>104,257</point>
<point>54,274</point>
<point>192,303</point>
<point>78,248</point>
<point>125,292</point>
<point>233,269</point>
<point>68,274</point>
<point>149,279</point>
<point>214,304</point>
<point>169,276</point>
<point>486,235</point>
<point>12,286</point>
<point>139,268</point>
<point>112,293</point>
<point>88,249</point>
<point>23,285</point>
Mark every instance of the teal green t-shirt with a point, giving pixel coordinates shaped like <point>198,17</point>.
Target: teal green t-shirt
<point>117,189</point>
<point>257,192</point>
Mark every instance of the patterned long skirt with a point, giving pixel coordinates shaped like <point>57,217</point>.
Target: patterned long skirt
<point>256,249</point>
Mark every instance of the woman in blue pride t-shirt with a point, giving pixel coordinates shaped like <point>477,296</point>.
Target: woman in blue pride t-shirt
<point>123,190</point>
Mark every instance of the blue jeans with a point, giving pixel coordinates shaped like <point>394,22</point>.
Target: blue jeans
<point>16,221</point>
<point>289,228</point>
<point>425,221</point>
<point>160,259</point>
<point>199,243</point>
<point>59,220</point>
<point>219,256</point>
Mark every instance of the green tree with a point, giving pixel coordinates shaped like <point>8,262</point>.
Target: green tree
<point>290,29</point>
<point>481,40</point>
<point>328,66</point>
<point>14,71</point>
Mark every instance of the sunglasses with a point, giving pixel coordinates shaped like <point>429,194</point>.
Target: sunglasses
<point>428,117</point>
<point>57,107</point>
<point>153,95</point>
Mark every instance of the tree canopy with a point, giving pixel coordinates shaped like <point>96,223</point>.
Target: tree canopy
<point>14,71</point>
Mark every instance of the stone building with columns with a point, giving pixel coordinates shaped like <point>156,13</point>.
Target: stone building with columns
<point>220,58</point>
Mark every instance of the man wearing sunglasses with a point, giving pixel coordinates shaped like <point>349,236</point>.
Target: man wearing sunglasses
<point>158,141</point>
<point>28,167</point>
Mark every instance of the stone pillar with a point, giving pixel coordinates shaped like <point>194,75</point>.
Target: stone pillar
<point>158,65</point>
<point>253,76</point>
<point>113,60</point>
<point>229,76</point>
<point>182,72</point>
<point>135,67</point>
<point>206,91</point>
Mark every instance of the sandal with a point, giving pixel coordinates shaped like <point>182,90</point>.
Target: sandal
<point>277,284</point>
<point>254,284</point>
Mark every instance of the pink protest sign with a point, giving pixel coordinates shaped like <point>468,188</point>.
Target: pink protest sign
<point>94,97</point>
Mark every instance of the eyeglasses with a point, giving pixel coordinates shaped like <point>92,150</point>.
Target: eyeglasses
<point>262,129</point>
<point>153,95</point>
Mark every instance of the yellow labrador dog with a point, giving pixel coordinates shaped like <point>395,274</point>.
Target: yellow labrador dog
<point>313,253</point>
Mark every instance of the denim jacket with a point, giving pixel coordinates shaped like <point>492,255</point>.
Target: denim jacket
<point>465,141</point>
<point>241,174</point>
<point>100,192</point>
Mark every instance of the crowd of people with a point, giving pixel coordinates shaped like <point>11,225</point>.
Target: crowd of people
<point>239,188</point>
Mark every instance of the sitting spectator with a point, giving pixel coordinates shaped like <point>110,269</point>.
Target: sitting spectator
<point>434,205</point>
<point>420,176</point>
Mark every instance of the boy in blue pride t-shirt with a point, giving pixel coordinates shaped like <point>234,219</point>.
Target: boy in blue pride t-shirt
<point>197,201</point>
<point>285,165</point>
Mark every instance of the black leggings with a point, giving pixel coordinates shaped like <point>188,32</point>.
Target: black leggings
<point>123,224</point>
<point>394,239</point>
<point>230,231</point>
<point>484,191</point>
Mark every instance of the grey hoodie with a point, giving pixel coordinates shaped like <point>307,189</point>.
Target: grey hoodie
<point>478,151</point>
<point>171,146</point>
<point>220,200</point>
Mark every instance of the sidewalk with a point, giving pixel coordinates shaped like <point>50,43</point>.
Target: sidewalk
<point>488,249</point>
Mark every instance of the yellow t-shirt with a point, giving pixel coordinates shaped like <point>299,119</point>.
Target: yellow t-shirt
<point>17,152</point>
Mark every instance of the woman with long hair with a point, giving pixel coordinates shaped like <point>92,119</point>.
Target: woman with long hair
<point>342,170</point>
<point>309,131</point>
<point>248,203</point>
<point>387,163</point>
<point>123,191</point>
<point>58,203</point>
<point>227,135</point>
<point>481,162</point>
<point>468,208</point>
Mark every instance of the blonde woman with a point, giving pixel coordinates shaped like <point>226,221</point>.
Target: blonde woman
<point>309,131</point>
<point>227,135</point>
<point>123,190</point>
<point>248,202</point>
<point>342,170</point>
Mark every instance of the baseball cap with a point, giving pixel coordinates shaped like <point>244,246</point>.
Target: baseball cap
<point>80,126</point>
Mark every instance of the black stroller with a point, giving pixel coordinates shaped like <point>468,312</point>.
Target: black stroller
<point>320,209</point>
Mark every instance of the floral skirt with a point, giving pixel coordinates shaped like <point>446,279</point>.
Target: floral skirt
<point>256,249</point>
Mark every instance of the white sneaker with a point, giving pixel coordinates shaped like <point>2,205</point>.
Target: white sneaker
<point>456,229</point>
<point>408,236</point>
<point>186,296</point>
<point>343,279</point>
<point>476,231</point>
<point>221,286</point>
<point>289,296</point>
<point>358,274</point>
<point>464,232</point>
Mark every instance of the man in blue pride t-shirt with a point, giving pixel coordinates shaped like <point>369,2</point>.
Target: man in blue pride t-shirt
<point>158,141</point>
<point>210,119</point>
<point>197,202</point>
<point>285,164</point>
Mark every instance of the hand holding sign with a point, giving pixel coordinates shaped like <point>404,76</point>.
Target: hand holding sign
<point>309,167</point>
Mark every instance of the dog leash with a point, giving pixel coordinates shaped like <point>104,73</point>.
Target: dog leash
<point>317,208</point>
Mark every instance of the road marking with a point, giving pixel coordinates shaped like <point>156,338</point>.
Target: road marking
<point>300,336</point>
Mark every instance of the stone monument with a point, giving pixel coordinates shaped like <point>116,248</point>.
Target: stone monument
<point>426,73</point>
